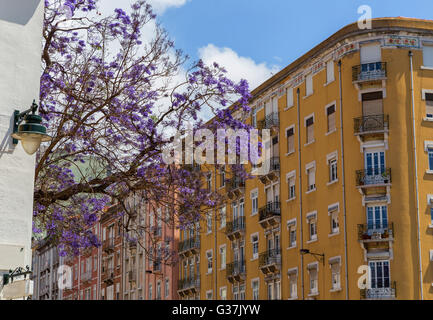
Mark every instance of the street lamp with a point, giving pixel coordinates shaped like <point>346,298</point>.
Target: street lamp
<point>321,255</point>
<point>32,132</point>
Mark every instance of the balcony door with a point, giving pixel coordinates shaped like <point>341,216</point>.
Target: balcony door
<point>377,219</point>
<point>371,53</point>
<point>372,103</point>
<point>379,277</point>
<point>374,166</point>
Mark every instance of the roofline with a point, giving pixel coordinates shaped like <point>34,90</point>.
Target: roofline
<point>378,25</point>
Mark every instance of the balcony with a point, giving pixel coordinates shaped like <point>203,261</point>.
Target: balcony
<point>271,121</point>
<point>373,179</point>
<point>235,229</point>
<point>157,266</point>
<point>274,170</point>
<point>236,271</point>
<point>108,275</point>
<point>86,276</point>
<point>368,72</point>
<point>108,245</point>
<point>132,276</point>
<point>189,247</point>
<point>270,215</point>
<point>188,286</point>
<point>235,187</point>
<point>369,233</point>
<point>388,293</point>
<point>270,261</point>
<point>157,232</point>
<point>371,125</point>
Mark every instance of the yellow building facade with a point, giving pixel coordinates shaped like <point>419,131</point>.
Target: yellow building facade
<point>345,211</point>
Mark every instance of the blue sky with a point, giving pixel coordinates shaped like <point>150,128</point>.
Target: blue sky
<point>255,38</point>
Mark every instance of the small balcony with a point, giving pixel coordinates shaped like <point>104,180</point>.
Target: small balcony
<point>271,121</point>
<point>157,267</point>
<point>157,232</point>
<point>377,181</point>
<point>270,215</point>
<point>388,293</point>
<point>273,171</point>
<point>368,72</point>
<point>86,276</point>
<point>189,247</point>
<point>235,187</point>
<point>236,271</point>
<point>371,125</point>
<point>132,276</point>
<point>270,261</point>
<point>108,275</point>
<point>370,233</point>
<point>188,286</point>
<point>108,245</point>
<point>235,229</point>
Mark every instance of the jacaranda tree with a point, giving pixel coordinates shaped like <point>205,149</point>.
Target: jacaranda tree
<point>112,97</point>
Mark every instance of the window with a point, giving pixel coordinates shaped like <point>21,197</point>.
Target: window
<point>428,105</point>
<point>223,176</point>
<point>223,293</point>
<point>254,202</point>
<point>332,165</point>
<point>209,182</point>
<point>312,226</point>
<point>94,292</point>
<point>309,85</point>
<point>270,291</point>
<point>235,292</point>
<point>330,113</point>
<point>255,245</point>
<point>428,55</point>
<point>95,263</point>
<point>330,71</point>
<point>158,290</point>
<point>430,158</point>
<point>150,291</point>
<point>291,181</point>
<point>209,295</point>
<point>223,257</point>
<point>291,226</point>
<point>209,261</point>
<point>314,283</point>
<point>293,283</point>
<point>254,118</point>
<point>209,222</point>
<point>370,53</point>
<point>118,291</point>
<point>290,135</point>
<point>289,92</point>
<point>311,176</point>
<point>309,123</point>
<point>255,287</point>
<point>379,274</point>
<point>333,215</point>
<point>242,292</point>
<point>223,217</point>
<point>167,288</point>
<point>377,218</point>
<point>335,274</point>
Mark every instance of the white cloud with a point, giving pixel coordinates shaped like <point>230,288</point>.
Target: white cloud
<point>238,67</point>
<point>161,5</point>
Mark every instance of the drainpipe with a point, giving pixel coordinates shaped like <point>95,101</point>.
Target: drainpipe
<point>215,255</point>
<point>300,190</point>
<point>416,172</point>
<point>343,178</point>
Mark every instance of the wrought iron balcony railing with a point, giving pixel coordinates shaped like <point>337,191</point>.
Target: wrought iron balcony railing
<point>371,124</point>
<point>236,225</point>
<point>369,177</point>
<point>235,268</point>
<point>86,276</point>
<point>157,265</point>
<point>270,257</point>
<point>189,283</point>
<point>389,292</point>
<point>108,244</point>
<point>369,72</point>
<point>270,121</point>
<point>189,244</point>
<point>272,209</point>
<point>371,232</point>
<point>234,183</point>
<point>132,276</point>
<point>157,231</point>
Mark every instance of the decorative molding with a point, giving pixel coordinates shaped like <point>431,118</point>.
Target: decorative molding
<point>401,41</point>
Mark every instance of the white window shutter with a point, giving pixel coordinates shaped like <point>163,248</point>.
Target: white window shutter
<point>330,71</point>
<point>428,56</point>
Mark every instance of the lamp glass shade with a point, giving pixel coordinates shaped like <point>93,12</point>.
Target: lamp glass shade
<point>31,142</point>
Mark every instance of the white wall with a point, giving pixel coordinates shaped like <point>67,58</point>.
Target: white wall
<point>20,68</point>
